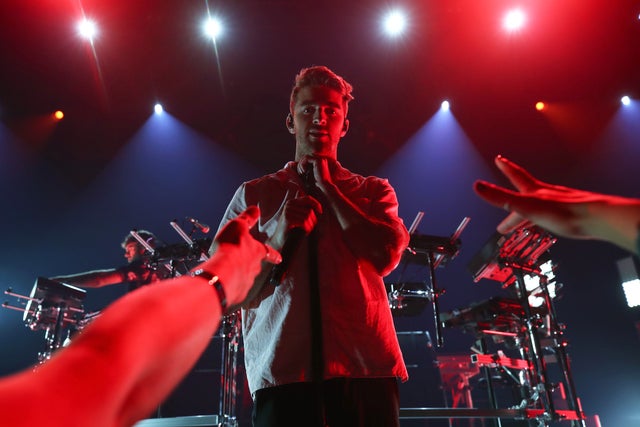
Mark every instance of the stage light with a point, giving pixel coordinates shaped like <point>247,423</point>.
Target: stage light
<point>444,106</point>
<point>514,20</point>
<point>158,108</point>
<point>540,106</point>
<point>58,115</point>
<point>625,100</point>
<point>394,23</point>
<point>212,27</point>
<point>87,29</point>
<point>627,268</point>
<point>533,285</point>
<point>632,292</point>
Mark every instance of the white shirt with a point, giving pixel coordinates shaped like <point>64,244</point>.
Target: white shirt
<point>359,337</point>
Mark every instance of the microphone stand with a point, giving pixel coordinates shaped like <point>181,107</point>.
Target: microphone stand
<point>229,331</point>
<point>435,297</point>
<point>291,246</point>
<point>315,312</point>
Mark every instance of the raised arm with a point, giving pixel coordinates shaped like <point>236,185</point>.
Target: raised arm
<point>93,279</point>
<point>130,358</point>
<point>564,211</point>
<point>377,239</point>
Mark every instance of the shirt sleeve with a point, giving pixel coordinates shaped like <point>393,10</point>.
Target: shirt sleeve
<point>236,206</point>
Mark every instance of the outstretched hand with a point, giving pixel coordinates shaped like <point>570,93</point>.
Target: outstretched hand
<point>562,210</point>
<point>237,257</point>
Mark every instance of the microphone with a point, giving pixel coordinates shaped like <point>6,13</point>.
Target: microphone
<point>308,180</point>
<point>291,244</point>
<point>294,236</point>
<point>204,228</point>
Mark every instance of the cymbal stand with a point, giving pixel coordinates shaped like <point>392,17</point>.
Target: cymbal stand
<point>435,296</point>
<point>230,333</point>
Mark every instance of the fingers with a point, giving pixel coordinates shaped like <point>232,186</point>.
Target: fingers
<point>250,215</point>
<point>497,196</point>
<point>320,166</point>
<point>303,165</point>
<point>272,255</point>
<point>314,204</point>
<point>510,223</point>
<point>517,175</point>
<point>234,230</point>
<point>502,198</point>
<point>302,205</point>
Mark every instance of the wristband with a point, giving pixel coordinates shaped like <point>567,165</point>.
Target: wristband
<point>214,281</point>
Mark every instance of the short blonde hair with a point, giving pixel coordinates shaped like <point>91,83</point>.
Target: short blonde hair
<point>319,75</point>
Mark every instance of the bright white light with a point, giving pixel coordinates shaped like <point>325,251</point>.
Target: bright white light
<point>632,292</point>
<point>394,23</point>
<point>87,29</point>
<point>212,27</point>
<point>158,108</point>
<point>445,105</point>
<point>625,100</point>
<point>533,287</point>
<point>547,269</point>
<point>514,20</point>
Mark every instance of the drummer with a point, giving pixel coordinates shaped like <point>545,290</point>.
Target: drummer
<point>136,273</point>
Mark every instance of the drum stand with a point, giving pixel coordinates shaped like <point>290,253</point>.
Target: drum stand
<point>54,307</point>
<point>432,251</point>
<point>533,350</point>
<point>508,260</point>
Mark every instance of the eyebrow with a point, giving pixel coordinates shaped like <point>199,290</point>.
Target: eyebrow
<point>332,104</point>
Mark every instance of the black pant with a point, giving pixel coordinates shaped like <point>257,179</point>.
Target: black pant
<point>339,402</point>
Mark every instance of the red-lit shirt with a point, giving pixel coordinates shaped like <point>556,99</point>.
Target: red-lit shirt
<point>359,337</point>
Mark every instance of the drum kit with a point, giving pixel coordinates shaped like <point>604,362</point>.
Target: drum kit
<point>513,260</point>
<point>57,308</point>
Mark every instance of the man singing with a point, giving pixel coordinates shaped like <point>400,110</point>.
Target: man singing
<point>320,344</point>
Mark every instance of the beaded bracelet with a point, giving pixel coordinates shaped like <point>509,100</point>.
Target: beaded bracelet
<point>214,281</point>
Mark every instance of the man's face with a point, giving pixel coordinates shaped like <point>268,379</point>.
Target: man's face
<point>132,251</point>
<point>318,122</point>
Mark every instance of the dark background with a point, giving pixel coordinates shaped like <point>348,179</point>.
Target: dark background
<point>71,190</point>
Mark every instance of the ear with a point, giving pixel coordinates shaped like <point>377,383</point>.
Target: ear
<point>345,127</point>
<point>289,124</point>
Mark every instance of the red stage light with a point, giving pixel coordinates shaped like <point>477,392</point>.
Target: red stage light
<point>58,115</point>
<point>540,106</point>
